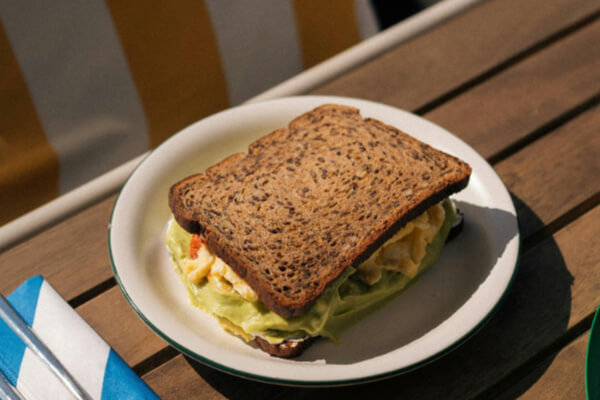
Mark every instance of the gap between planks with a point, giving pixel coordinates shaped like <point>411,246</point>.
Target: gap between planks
<point>560,222</point>
<point>508,63</point>
<point>552,348</point>
<point>545,129</point>
<point>92,292</point>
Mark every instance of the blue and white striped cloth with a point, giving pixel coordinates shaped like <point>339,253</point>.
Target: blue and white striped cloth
<point>92,362</point>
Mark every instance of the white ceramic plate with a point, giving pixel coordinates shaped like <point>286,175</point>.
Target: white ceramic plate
<point>447,303</point>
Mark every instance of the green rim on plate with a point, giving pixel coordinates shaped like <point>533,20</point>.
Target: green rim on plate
<point>592,360</point>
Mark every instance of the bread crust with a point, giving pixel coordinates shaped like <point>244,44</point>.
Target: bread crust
<point>285,349</point>
<point>307,202</point>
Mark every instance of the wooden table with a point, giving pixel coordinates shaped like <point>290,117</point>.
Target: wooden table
<point>520,82</point>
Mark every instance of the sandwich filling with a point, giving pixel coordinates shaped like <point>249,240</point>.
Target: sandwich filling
<point>215,288</point>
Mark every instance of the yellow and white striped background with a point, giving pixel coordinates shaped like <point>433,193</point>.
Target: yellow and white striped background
<point>88,85</point>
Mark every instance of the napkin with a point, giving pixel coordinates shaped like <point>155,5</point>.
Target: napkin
<point>88,358</point>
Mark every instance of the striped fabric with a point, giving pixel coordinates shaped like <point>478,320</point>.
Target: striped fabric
<point>88,85</point>
<point>101,372</point>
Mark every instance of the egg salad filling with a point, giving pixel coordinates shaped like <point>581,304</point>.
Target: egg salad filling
<point>216,289</point>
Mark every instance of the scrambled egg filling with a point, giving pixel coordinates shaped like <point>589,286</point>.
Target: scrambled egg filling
<point>406,249</point>
<point>203,264</point>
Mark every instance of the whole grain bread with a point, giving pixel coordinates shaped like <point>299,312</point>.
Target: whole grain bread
<point>285,349</point>
<point>308,201</point>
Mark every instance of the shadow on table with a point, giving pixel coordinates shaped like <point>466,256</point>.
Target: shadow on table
<point>543,290</point>
<point>233,387</point>
<point>534,312</point>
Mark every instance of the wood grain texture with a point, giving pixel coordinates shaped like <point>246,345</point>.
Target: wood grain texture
<point>72,255</point>
<point>183,378</point>
<point>563,379</point>
<point>580,246</point>
<point>168,382</point>
<point>514,103</point>
<point>429,66</point>
<point>562,375</point>
<point>555,173</point>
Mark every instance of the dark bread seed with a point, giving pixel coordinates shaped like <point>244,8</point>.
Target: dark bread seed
<point>321,220</point>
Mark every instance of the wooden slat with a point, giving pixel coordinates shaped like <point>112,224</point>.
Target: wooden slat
<point>544,301</point>
<point>192,380</point>
<point>532,93</point>
<point>72,255</point>
<point>559,376</point>
<point>114,319</point>
<point>580,248</point>
<point>423,69</point>
<point>168,382</point>
<point>567,160</point>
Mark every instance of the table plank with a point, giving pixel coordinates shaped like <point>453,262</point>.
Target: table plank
<point>168,382</point>
<point>580,245</point>
<point>559,376</point>
<point>568,162</point>
<point>72,255</point>
<point>192,380</point>
<point>536,311</point>
<point>513,104</point>
<point>424,69</point>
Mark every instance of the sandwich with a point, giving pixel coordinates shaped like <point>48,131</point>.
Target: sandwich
<point>313,228</point>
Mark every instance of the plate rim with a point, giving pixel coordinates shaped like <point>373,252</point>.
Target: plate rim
<point>311,383</point>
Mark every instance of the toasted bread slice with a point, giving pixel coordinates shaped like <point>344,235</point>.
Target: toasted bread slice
<point>285,349</point>
<point>307,202</point>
